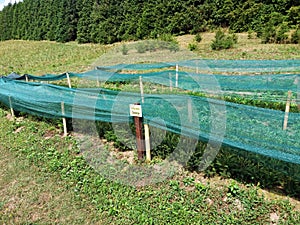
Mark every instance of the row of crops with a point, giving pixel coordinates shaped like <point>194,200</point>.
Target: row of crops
<point>180,99</point>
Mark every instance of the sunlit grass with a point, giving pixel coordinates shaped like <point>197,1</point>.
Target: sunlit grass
<point>33,57</point>
<point>245,48</point>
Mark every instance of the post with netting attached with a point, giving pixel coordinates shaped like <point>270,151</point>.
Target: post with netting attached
<point>98,83</point>
<point>190,110</point>
<point>11,107</point>
<point>146,126</point>
<point>136,112</point>
<point>287,110</point>
<point>64,119</point>
<point>69,81</point>
<point>170,79</point>
<point>297,82</point>
<point>176,78</point>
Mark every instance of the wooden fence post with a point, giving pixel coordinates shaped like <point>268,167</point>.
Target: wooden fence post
<point>298,91</point>
<point>64,119</point>
<point>146,126</point>
<point>136,112</point>
<point>170,78</point>
<point>11,107</point>
<point>287,110</point>
<point>176,78</point>
<point>190,110</point>
<point>69,81</point>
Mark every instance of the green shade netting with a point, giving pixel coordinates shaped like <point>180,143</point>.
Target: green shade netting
<point>250,128</point>
<point>287,75</point>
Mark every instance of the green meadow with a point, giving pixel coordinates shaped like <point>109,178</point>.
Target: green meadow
<point>44,178</point>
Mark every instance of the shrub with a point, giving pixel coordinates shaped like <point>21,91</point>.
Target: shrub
<point>281,36</point>
<point>223,41</point>
<point>192,46</point>
<point>141,48</point>
<point>251,34</point>
<point>268,34</point>
<point>167,38</point>
<point>295,38</point>
<point>124,49</point>
<point>198,38</point>
<point>275,34</point>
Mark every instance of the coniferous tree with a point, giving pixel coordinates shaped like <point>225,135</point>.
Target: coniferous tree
<point>84,21</point>
<point>108,21</point>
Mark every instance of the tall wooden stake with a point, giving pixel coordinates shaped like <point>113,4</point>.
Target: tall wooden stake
<point>69,81</point>
<point>139,136</point>
<point>64,119</point>
<point>298,91</point>
<point>170,78</point>
<point>11,108</point>
<point>190,110</point>
<point>176,80</point>
<point>147,142</point>
<point>287,110</point>
<point>26,77</point>
<point>146,126</point>
<point>142,89</point>
<point>98,84</point>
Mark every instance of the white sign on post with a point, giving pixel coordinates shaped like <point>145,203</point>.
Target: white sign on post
<point>136,110</point>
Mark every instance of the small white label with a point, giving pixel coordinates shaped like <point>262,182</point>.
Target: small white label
<point>136,110</point>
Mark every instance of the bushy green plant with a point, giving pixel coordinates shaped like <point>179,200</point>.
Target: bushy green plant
<point>268,34</point>
<point>223,41</point>
<point>167,38</point>
<point>251,34</point>
<point>295,38</point>
<point>281,34</point>
<point>141,48</point>
<point>124,49</point>
<point>198,37</point>
<point>275,34</point>
<point>192,46</point>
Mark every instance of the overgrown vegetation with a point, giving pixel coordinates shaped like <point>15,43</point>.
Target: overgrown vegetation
<point>223,41</point>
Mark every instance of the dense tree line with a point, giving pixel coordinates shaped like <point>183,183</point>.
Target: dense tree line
<point>109,21</point>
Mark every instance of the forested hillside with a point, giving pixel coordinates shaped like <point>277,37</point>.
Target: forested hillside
<point>103,21</point>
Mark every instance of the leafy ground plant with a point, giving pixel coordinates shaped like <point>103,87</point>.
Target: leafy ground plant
<point>56,172</point>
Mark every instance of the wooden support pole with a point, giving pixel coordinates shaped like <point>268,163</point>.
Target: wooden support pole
<point>147,142</point>
<point>287,110</point>
<point>64,119</point>
<point>146,126</point>
<point>170,78</point>
<point>176,80</point>
<point>26,77</point>
<point>190,110</point>
<point>11,107</point>
<point>98,83</point>
<point>297,82</point>
<point>69,81</point>
<point>141,89</point>
<point>138,122</point>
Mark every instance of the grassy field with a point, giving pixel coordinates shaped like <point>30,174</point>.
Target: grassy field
<point>45,180</point>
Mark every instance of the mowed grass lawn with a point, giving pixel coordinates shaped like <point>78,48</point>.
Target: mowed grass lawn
<point>45,180</point>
